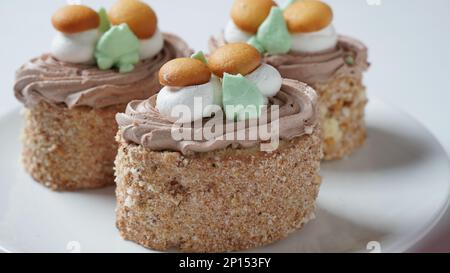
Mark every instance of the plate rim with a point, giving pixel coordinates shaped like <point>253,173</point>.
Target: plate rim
<point>403,245</point>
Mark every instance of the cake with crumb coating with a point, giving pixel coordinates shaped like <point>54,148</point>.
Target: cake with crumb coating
<point>99,62</point>
<point>251,181</point>
<point>300,41</point>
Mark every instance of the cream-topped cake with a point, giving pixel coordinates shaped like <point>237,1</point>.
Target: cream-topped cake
<point>301,42</point>
<point>98,62</point>
<point>225,157</point>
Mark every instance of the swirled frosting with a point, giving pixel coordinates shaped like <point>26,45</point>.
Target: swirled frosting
<point>144,125</point>
<point>350,56</point>
<point>48,79</point>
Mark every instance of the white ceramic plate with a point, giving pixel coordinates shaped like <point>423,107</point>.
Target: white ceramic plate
<point>385,197</point>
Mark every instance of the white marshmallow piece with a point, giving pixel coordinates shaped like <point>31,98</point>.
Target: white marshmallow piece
<point>152,46</point>
<point>267,79</point>
<point>190,103</point>
<point>217,89</point>
<point>233,34</point>
<point>76,48</point>
<point>314,42</point>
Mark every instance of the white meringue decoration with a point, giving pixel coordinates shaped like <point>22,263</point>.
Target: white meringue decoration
<point>173,102</point>
<point>267,79</point>
<point>152,46</point>
<point>217,89</point>
<point>233,34</point>
<point>76,48</point>
<point>314,42</point>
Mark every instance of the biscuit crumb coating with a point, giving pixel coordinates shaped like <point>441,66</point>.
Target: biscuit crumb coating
<point>342,102</point>
<point>219,201</point>
<point>70,149</point>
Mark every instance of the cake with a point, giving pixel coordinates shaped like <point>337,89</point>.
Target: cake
<point>99,61</point>
<point>301,42</point>
<point>219,160</point>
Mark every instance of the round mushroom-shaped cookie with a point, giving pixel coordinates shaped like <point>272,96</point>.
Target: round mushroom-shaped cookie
<point>183,72</point>
<point>73,19</point>
<point>77,35</point>
<point>248,15</point>
<point>139,16</point>
<point>308,16</point>
<point>235,58</point>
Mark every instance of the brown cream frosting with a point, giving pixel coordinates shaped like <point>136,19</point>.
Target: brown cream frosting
<point>349,57</point>
<point>71,85</point>
<point>142,124</point>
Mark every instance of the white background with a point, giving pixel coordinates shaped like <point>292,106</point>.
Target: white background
<point>409,43</point>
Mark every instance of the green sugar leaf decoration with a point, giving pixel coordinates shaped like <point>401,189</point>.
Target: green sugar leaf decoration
<point>273,33</point>
<point>199,56</point>
<point>118,47</point>
<point>241,98</point>
<point>350,60</point>
<point>256,44</point>
<point>105,25</point>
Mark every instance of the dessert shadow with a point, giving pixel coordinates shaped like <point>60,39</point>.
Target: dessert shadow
<point>384,150</point>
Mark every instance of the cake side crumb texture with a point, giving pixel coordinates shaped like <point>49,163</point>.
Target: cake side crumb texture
<point>219,201</point>
<point>342,105</point>
<point>70,149</point>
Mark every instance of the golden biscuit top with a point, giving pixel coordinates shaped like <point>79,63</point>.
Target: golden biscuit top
<point>184,72</point>
<point>308,16</point>
<point>248,15</point>
<point>139,16</point>
<point>234,58</point>
<point>75,18</point>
